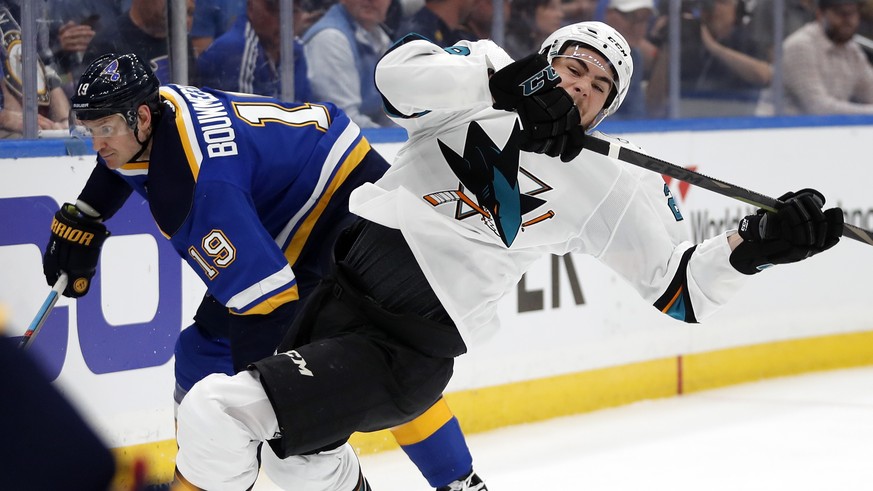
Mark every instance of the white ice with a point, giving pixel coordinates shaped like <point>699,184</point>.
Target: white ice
<point>810,432</point>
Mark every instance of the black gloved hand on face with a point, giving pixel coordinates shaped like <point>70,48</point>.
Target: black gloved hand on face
<point>550,120</point>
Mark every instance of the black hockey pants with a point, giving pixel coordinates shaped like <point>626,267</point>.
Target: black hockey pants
<point>347,364</point>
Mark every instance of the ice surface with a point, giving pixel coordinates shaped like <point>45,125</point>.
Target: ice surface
<point>810,432</point>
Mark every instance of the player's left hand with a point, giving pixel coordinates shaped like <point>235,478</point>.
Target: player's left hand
<point>798,230</point>
<point>74,248</point>
<point>550,120</point>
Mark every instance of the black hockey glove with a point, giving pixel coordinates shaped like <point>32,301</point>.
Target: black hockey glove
<point>550,119</point>
<point>73,248</point>
<point>798,230</point>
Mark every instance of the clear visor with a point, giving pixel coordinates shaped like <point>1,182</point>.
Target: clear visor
<point>592,61</point>
<point>106,127</point>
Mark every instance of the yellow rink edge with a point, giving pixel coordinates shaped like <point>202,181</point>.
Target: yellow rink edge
<point>489,408</point>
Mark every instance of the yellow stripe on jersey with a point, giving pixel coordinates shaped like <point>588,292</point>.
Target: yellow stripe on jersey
<point>134,166</point>
<point>423,426</point>
<point>186,131</point>
<point>292,252</point>
<point>272,303</point>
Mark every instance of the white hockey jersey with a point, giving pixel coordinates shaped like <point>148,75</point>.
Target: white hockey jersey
<point>477,212</point>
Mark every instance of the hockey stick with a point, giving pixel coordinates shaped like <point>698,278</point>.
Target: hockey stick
<point>44,312</point>
<point>639,159</point>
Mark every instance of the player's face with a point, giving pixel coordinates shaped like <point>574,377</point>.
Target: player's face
<point>112,139</point>
<point>585,76</point>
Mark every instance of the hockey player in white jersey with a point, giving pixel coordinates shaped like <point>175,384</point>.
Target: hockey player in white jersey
<point>449,230</point>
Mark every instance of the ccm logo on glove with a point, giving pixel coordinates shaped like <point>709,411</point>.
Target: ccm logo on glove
<point>538,81</point>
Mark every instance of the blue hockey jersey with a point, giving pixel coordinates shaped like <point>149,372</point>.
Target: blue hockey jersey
<point>239,184</point>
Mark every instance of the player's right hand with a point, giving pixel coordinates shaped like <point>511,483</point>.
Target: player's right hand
<point>799,229</point>
<point>550,120</point>
<point>73,248</point>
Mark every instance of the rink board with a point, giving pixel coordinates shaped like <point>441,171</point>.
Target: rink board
<point>575,337</point>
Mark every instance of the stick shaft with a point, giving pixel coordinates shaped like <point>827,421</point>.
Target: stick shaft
<point>753,198</point>
<point>43,313</point>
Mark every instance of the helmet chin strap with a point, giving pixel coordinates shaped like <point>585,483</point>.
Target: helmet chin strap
<point>143,144</point>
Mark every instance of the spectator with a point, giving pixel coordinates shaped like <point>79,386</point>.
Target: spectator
<point>632,18</point>
<point>76,22</point>
<point>53,105</point>
<point>759,30</point>
<point>865,29</point>
<point>143,30</point>
<point>212,18</point>
<point>50,116</point>
<point>716,76</point>
<point>399,10</point>
<point>532,21</point>
<point>441,21</point>
<point>481,18</point>
<point>246,58</point>
<point>310,11</point>
<point>826,71</point>
<point>342,49</point>
<point>578,10</point>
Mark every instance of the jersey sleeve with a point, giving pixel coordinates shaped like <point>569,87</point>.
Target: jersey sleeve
<point>229,248</point>
<point>105,191</point>
<point>417,76</point>
<point>650,247</point>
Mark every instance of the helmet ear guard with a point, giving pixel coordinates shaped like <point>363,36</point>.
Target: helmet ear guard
<point>607,42</point>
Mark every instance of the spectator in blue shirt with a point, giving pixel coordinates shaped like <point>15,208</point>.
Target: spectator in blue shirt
<point>212,18</point>
<point>247,57</point>
<point>143,30</point>
<point>440,21</point>
<point>342,49</point>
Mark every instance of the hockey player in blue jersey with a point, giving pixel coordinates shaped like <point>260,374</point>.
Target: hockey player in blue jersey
<point>417,281</point>
<point>252,192</point>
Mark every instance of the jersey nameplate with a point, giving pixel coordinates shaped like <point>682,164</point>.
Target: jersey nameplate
<point>215,127</point>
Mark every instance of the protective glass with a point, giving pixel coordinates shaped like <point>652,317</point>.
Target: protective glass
<point>107,127</point>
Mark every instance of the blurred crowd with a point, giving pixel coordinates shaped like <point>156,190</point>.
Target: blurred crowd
<point>726,49</point>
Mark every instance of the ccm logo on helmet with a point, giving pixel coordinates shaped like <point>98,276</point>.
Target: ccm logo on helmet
<point>617,45</point>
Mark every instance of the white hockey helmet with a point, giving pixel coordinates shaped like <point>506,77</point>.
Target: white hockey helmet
<point>606,41</point>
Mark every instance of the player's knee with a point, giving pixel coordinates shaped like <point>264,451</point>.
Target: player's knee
<point>214,451</point>
<point>202,406</point>
<point>220,401</point>
<point>334,469</point>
